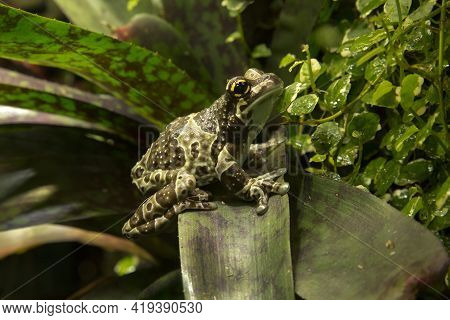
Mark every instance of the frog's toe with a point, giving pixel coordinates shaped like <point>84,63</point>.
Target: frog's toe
<point>280,188</point>
<point>129,232</point>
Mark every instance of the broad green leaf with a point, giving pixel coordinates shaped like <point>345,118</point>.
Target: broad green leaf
<point>375,70</point>
<point>205,25</point>
<point>348,244</point>
<point>326,137</point>
<point>289,95</point>
<point>141,25</point>
<point>419,38</point>
<point>371,170</point>
<point>76,174</point>
<point>23,239</point>
<point>12,115</point>
<point>318,158</point>
<point>261,51</point>
<point>411,87</point>
<point>415,171</point>
<point>363,126</point>
<point>101,101</point>
<point>347,155</point>
<point>303,105</point>
<point>426,130</point>
<point>399,142</point>
<point>365,7</point>
<point>304,76</point>
<point>362,43</point>
<point>423,10</point>
<point>287,60</point>
<point>390,8</point>
<point>56,110</point>
<point>443,194</point>
<point>413,206</point>
<point>336,94</point>
<point>104,16</point>
<point>146,80</point>
<point>158,35</point>
<point>383,95</point>
<point>386,176</point>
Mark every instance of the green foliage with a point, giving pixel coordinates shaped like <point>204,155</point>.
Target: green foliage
<point>381,119</point>
<point>367,97</point>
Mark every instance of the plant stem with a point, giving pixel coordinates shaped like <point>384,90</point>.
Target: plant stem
<point>311,76</point>
<point>442,110</point>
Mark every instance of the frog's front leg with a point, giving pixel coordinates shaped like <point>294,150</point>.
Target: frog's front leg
<point>235,179</point>
<point>258,153</point>
<point>155,213</point>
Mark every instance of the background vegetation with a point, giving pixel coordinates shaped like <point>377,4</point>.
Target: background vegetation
<point>365,104</point>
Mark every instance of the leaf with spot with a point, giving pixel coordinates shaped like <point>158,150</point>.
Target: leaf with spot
<point>363,126</point>
<point>411,88</point>
<point>362,43</point>
<point>326,137</point>
<point>336,95</point>
<point>415,171</point>
<point>304,76</point>
<point>375,70</point>
<point>147,81</point>
<point>63,105</point>
<point>391,10</point>
<point>290,93</point>
<point>366,247</point>
<point>347,155</point>
<point>382,96</point>
<point>386,176</point>
<point>303,105</point>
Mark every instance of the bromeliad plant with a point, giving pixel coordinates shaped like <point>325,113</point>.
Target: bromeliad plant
<point>375,102</point>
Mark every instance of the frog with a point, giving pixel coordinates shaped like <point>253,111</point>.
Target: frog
<point>205,147</point>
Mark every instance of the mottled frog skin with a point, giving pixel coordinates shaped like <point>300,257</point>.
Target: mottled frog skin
<point>204,147</point>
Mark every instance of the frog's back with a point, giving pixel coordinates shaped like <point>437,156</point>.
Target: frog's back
<point>183,145</point>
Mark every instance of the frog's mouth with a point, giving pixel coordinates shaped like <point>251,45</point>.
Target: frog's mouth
<point>260,110</point>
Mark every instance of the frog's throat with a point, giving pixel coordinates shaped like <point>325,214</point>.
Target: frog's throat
<point>274,93</point>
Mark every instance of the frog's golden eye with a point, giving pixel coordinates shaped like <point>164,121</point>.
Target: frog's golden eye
<point>238,87</point>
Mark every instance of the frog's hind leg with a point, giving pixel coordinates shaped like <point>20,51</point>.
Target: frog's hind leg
<point>152,180</point>
<point>155,213</point>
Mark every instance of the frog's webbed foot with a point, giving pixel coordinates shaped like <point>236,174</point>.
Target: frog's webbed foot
<point>260,187</point>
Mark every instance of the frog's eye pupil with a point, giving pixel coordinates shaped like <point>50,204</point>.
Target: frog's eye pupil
<point>238,88</point>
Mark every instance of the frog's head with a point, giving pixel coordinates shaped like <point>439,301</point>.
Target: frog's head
<point>254,96</point>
